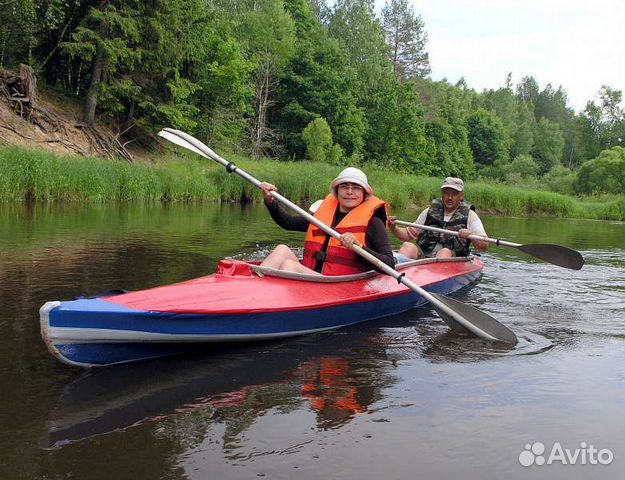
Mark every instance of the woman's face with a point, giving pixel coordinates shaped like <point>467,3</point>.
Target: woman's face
<point>350,195</point>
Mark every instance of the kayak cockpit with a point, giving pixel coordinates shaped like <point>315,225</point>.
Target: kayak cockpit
<point>231,267</point>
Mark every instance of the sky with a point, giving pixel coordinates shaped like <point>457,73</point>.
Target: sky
<point>578,44</point>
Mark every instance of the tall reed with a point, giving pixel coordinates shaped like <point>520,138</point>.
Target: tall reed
<point>36,175</point>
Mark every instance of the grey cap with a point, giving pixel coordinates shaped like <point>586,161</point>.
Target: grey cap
<point>453,182</point>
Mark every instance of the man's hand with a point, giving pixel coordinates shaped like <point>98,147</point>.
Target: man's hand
<point>464,233</point>
<point>267,188</point>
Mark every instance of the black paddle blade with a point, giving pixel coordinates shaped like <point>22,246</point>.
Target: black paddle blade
<point>556,254</point>
<point>469,319</point>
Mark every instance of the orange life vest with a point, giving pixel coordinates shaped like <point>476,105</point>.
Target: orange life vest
<point>330,390</point>
<point>339,260</point>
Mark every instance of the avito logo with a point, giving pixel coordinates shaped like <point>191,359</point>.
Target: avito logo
<point>584,455</point>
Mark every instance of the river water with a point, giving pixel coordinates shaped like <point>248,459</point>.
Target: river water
<point>399,398</point>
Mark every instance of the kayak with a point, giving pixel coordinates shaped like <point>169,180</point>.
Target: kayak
<point>241,302</point>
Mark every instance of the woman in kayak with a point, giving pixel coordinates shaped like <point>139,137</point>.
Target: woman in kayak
<point>353,211</point>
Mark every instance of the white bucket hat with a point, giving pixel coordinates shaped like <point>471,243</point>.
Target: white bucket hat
<point>352,175</point>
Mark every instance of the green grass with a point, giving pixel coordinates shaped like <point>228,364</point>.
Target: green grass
<point>36,175</point>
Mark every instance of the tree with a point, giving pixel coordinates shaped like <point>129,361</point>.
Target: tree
<point>527,91</point>
<point>405,34</point>
<point>19,21</point>
<point>560,180</point>
<point>552,105</point>
<point>317,81</point>
<point>318,139</point>
<point>604,174</point>
<point>548,145</point>
<point>605,122</point>
<point>523,133</point>
<point>269,34</point>
<point>445,108</point>
<point>360,35</point>
<point>487,138</point>
<point>224,78</point>
<point>397,134</point>
<point>524,166</point>
<point>108,39</point>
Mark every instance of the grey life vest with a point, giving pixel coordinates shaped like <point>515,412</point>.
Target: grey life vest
<point>435,218</point>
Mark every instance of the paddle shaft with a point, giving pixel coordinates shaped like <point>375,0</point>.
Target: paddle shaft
<point>201,149</point>
<point>455,234</point>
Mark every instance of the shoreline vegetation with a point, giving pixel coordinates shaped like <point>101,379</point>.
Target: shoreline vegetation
<point>29,175</point>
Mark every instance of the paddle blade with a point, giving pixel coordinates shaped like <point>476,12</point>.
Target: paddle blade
<point>466,318</point>
<point>181,142</point>
<point>555,254</point>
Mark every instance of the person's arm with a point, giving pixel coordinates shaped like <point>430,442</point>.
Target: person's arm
<point>409,233</point>
<point>378,243</point>
<point>283,217</point>
<point>475,227</point>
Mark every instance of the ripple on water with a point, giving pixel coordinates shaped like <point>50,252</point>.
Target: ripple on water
<point>552,301</point>
<point>432,340</point>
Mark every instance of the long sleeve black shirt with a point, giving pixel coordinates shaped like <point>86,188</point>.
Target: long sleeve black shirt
<point>377,241</point>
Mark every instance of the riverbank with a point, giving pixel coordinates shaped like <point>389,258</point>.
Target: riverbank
<point>28,175</point>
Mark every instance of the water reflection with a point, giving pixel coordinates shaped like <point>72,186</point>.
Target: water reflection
<point>231,386</point>
<point>320,402</point>
<point>337,376</point>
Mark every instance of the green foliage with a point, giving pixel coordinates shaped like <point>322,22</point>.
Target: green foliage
<point>548,145</point>
<point>405,34</point>
<point>397,131</point>
<point>487,138</point>
<point>522,135</point>
<point>41,176</point>
<point>603,125</point>
<point>524,166</point>
<point>560,180</point>
<point>251,75</point>
<point>319,82</point>
<point>604,174</point>
<point>317,137</point>
<point>446,128</point>
<point>360,34</point>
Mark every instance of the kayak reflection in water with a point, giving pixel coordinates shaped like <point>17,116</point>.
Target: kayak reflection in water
<point>353,211</point>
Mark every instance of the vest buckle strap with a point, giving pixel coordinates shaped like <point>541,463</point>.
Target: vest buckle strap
<point>320,256</point>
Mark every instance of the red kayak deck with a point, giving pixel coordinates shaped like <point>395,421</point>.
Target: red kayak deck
<point>237,288</point>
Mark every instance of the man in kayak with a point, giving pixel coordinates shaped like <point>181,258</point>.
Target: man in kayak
<point>353,211</point>
<point>450,212</point>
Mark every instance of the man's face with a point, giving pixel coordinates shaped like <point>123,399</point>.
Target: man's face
<point>451,199</point>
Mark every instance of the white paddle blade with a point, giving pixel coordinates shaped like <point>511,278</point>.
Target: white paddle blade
<point>181,142</point>
<point>315,206</point>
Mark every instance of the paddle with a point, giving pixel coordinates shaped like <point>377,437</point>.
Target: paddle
<point>459,316</point>
<point>555,254</point>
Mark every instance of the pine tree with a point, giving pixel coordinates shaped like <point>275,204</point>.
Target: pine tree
<point>405,33</point>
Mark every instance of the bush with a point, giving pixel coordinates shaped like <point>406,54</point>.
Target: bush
<point>560,180</point>
<point>604,174</point>
<point>318,139</point>
<point>523,166</point>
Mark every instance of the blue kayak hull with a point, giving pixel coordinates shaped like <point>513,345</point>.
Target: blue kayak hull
<point>95,332</point>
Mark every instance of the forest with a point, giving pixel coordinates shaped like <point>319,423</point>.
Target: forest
<point>297,79</point>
